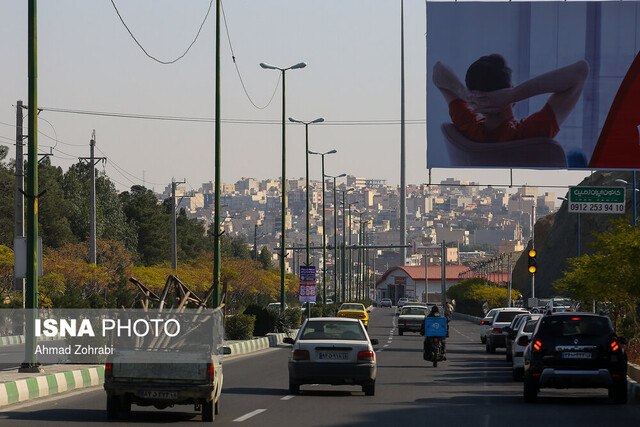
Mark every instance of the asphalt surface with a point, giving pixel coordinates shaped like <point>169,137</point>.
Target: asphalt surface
<point>471,388</point>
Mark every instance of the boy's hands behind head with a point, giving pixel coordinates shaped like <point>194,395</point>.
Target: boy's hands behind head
<point>490,102</point>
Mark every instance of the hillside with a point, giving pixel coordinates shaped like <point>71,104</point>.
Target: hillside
<point>555,237</point>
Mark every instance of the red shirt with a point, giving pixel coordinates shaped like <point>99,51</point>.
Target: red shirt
<point>541,124</point>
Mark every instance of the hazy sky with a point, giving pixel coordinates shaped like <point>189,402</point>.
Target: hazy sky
<point>87,61</point>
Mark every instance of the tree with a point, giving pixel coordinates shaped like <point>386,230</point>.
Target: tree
<point>265,258</point>
<point>611,275</point>
<point>151,224</point>
<point>7,191</point>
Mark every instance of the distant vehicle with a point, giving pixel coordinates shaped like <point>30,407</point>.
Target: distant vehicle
<point>512,330</point>
<point>575,350</point>
<point>329,301</point>
<point>303,305</point>
<point>520,344</point>
<point>402,301</point>
<point>496,337</point>
<point>385,302</point>
<point>412,318</point>
<point>332,350</point>
<point>559,305</point>
<point>276,305</point>
<point>485,324</point>
<point>412,300</point>
<point>355,311</point>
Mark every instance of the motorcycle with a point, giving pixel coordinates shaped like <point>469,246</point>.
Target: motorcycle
<point>434,350</point>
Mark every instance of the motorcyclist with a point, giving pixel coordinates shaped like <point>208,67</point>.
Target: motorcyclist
<point>435,312</point>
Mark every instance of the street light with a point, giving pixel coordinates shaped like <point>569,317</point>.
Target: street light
<point>350,252</point>
<point>344,243</point>
<point>622,181</point>
<point>335,236</point>
<point>306,132</point>
<point>324,232</point>
<point>283,250</point>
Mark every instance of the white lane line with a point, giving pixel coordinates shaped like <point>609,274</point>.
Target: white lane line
<point>249,415</point>
<point>386,345</point>
<point>288,397</point>
<point>379,350</point>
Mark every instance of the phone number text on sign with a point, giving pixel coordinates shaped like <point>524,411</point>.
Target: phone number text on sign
<point>612,208</point>
<point>307,292</point>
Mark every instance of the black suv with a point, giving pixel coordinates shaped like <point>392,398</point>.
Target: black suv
<point>578,350</point>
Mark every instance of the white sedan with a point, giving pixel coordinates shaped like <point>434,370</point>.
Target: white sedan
<point>332,350</point>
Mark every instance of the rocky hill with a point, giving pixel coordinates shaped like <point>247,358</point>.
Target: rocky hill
<point>556,238</point>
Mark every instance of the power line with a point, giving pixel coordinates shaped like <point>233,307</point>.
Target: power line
<point>377,122</point>
<point>233,57</point>
<point>147,53</point>
<point>111,162</point>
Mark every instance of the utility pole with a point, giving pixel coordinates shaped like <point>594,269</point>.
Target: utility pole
<point>93,161</point>
<point>174,225</point>
<point>403,184</point>
<point>30,363</point>
<point>215,289</point>
<point>444,274</point>
<point>19,198</point>
<point>255,241</point>
<point>426,274</point>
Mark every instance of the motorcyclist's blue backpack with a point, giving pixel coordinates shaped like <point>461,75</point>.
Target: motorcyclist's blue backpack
<point>435,326</point>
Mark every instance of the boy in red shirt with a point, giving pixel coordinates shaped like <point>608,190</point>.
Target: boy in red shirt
<point>481,110</point>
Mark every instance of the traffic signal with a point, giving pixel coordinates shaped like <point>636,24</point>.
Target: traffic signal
<point>532,261</point>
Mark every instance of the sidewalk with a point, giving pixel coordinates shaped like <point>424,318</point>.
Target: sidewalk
<point>19,387</point>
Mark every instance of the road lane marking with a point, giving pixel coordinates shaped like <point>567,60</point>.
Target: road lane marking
<point>288,397</point>
<point>379,350</point>
<point>386,345</point>
<point>249,415</point>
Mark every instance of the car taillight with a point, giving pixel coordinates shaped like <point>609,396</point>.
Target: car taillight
<point>537,345</point>
<point>365,356</point>
<point>361,316</point>
<point>108,370</point>
<point>342,315</point>
<point>300,355</point>
<point>435,339</point>
<point>483,322</point>
<point>211,372</point>
<point>614,345</point>
<point>497,330</point>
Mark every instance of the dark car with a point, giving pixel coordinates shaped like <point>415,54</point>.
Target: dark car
<point>575,350</point>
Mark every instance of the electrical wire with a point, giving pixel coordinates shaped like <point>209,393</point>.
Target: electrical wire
<point>233,57</point>
<point>377,122</point>
<point>147,53</point>
<point>111,162</point>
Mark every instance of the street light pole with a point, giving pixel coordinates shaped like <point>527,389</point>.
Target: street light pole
<point>350,289</point>
<point>335,236</point>
<point>324,227</point>
<point>283,244</point>
<point>306,152</point>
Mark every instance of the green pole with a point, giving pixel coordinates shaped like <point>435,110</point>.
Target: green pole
<point>324,241</point>
<point>31,291</point>
<point>335,243</point>
<point>283,248</point>
<point>216,215</point>
<point>343,254</point>
<point>306,138</point>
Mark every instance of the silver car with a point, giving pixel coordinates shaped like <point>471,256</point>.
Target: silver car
<point>332,350</point>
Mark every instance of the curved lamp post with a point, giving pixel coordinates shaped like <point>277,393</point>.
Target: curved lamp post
<point>324,228</point>
<point>335,236</point>
<point>283,249</point>
<point>633,193</point>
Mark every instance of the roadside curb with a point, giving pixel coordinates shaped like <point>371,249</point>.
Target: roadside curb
<point>256,344</point>
<point>47,385</point>
<point>19,339</point>
<point>461,316</point>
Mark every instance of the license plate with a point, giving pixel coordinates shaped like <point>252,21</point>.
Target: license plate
<point>576,355</point>
<point>159,395</point>
<point>333,355</point>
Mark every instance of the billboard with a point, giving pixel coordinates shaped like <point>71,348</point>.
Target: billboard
<point>543,85</point>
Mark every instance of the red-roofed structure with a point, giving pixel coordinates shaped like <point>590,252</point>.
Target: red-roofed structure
<point>409,281</point>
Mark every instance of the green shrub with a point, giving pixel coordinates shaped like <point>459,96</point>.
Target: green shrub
<point>293,317</point>
<point>240,327</point>
<point>317,310</point>
<point>264,320</point>
<point>471,294</point>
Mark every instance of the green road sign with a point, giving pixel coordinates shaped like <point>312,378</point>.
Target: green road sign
<point>609,200</point>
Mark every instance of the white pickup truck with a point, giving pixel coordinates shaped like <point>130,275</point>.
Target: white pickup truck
<point>134,377</point>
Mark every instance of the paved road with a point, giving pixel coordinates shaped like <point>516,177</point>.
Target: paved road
<point>472,388</point>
